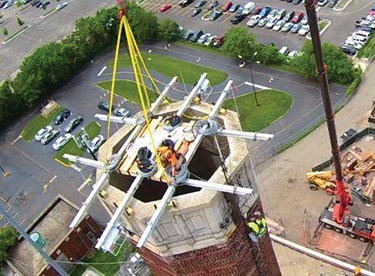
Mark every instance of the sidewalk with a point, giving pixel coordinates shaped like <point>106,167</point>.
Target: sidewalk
<point>281,179</point>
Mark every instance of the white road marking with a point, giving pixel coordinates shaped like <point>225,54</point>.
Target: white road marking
<point>53,179</point>
<point>84,184</point>
<point>101,71</point>
<point>257,85</point>
<point>15,140</point>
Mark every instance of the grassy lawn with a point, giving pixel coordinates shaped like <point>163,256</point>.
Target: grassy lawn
<point>368,50</point>
<point>322,24</point>
<point>171,67</point>
<point>272,105</point>
<point>71,147</point>
<point>37,123</point>
<point>126,89</point>
<point>104,262</point>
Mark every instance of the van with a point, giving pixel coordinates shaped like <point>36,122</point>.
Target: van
<point>248,8</point>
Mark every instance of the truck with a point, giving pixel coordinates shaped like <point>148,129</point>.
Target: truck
<point>248,8</point>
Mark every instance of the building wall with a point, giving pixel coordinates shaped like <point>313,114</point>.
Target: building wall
<point>76,245</point>
<point>238,256</point>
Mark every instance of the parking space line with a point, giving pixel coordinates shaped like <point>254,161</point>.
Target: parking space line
<point>13,216</point>
<point>256,85</point>
<point>229,17</point>
<point>101,71</point>
<point>6,203</point>
<point>189,10</point>
<point>15,140</point>
<point>181,10</point>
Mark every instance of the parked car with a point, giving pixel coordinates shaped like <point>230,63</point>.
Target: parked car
<point>280,14</point>
<point>254,20</point>
<point>45,4</point>
<point>188,35</point>
<point>210,40</point>
<point>42,132</point>
<point>122,112</point>
<point>284,50</point>
<point>203,38</point>
<point>263,22</point>
<point>288,16</point>
<point>73,123</point>
<point>234,8</point>
<point>238,19</point>
<point>332,3</point>
<point>265,11</point>
<point>96,143</point>
<point>240,9</point>
<point>256,11</point>
<point>348,50</point>
<point>185,3</point>
<point>287,27</point>
<point>215,15</point>
<point>196,36</point>
<point>164,8</point>
<point>279,24</point>
<point>226,6</point>
<point>200,4</point>
<point>271,23</point>
<point>297,17</point>
<point>213,5</point>
<point>49,136</point>
<point>218,41</point>
<point>322,2</point>
<point>62,141</point>
<point>296,28</point>
<point>296,2</point>
<point>62,116</point>
<point>61,6</point>
<point>304,20</point>
<point>247,9</point>
<point>272,13</point>
<point>104,106</point>
<point>293,54</point>
<point>304,30</point>
<point>196,12</point>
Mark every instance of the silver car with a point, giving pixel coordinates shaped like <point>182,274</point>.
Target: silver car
<point>62,141</point>
<point>42,132</point>
<point>122,112</point>
<point>96,143</point>
<point>47,138</point>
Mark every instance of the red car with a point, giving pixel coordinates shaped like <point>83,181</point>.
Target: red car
<point>226,6</point>
<point>165,8</point>
<point>297,17</point>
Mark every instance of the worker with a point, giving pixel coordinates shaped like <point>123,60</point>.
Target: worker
<point>169,156</point>
<point>357,271</point>
<point>258,226</point>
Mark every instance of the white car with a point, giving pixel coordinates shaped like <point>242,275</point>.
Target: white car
<point>322,2</point>
<point>42,132</point>
<point>96,143</point>
<point>284,50</point>
<point>203,38</point>
<point>293,54</point>
<point>61,6</point>
<point>62,141</point>
<point>122,112</point>
<point>278,25</point>
<point>254,20</point>
<point>49,136</point>
<point>304,30</point>
<point>271,23</point>
<point>209,40</point>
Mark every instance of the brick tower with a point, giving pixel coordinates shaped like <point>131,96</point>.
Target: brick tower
<point>197,234</point>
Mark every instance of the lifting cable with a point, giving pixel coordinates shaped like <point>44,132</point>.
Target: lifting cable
<point>135,54</point>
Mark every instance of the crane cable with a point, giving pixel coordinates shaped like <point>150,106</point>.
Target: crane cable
<point>134,55</point>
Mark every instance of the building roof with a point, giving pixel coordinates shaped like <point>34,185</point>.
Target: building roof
<point>53,226</point>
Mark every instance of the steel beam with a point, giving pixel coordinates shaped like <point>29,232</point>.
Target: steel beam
<point>156,216</point>
<point>247,135</point>
<point>113,223</point>
<point>163,95</point>
<point>117,119</point>
<point>84,161</point>
<point>198,139</point>
<point>191,96</point>
<point>219,187</point>
<point>83,211</point>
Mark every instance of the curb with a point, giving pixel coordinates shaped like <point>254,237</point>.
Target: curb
<point>16,35</point>
<point>62,163</point>
<point>343,8</point>
<point>322,31</point>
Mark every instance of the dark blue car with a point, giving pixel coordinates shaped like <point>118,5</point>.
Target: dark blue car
<point>265,11</point>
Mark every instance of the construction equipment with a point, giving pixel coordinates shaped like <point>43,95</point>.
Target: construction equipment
<point>336,215</point>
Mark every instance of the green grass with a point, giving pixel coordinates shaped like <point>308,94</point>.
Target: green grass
<point>272,105</point>
<point>171,67</point>
<point>71,147</point>
<point>341,4</point>
<point>126,89</point>
<point>37,123</point>
<point>322,24</point>
<point>368,50</point>
<point>100,261</point>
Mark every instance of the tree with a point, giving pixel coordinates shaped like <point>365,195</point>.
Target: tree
<point>169,30</point>
<point>10,105</point>
<point>239,42</point>
<point>5,31</point>
<point>143,24</point>
<point>20,22</point>
<point>8,237</point>
<point>340,69</point>
<point>269,54</point>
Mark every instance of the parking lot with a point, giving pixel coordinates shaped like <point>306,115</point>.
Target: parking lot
<point>343,23</point>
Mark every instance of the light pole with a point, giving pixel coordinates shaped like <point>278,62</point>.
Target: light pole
<point>252,77</point>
